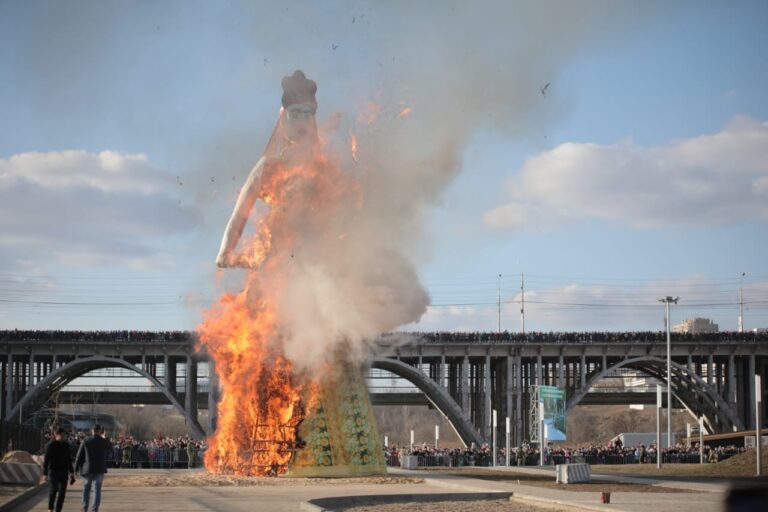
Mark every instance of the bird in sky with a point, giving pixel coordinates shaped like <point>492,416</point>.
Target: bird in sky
<point>544,89</point>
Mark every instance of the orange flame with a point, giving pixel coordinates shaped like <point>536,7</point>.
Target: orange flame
<point>261,405</point>
<point>264,399</point>
<point>404,113</point>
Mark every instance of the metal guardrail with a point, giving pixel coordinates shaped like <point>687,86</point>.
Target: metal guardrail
<point>532,459</point>
<point>19,437</point>
<point>152,457</point>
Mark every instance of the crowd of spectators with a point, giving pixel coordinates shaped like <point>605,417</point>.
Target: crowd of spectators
<point>582,337</point>
<point>159,452</point>
<point>109,336</point>
<point>527,455</point>
<point>429,337</point>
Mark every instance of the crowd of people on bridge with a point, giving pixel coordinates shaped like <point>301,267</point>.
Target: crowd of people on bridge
<point>109,336</point>
<point>429,337</point>
<point>582,337</point>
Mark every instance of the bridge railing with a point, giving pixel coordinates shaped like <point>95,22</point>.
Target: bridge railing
<point>575,337</point>
<point>413,337</point>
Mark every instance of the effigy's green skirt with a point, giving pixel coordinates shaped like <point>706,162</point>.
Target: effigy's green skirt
<point>339,433</point>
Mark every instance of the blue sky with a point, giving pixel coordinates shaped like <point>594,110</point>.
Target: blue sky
<point>642,172</point>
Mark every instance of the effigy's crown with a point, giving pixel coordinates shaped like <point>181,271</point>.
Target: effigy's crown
<point>298,89</point>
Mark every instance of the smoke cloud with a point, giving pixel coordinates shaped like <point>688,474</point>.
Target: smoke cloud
<point>463,71</point>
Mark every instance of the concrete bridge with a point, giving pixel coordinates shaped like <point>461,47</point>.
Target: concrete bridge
<point>465,376</point>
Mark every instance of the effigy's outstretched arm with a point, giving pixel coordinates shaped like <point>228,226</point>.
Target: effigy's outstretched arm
<point>245,201</point>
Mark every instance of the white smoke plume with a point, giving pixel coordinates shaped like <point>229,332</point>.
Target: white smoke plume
<point>450,72</point>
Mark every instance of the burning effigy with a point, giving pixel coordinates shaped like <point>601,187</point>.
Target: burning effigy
<point>289,347</point>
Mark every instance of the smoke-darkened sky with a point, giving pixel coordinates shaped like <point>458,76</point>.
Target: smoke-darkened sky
<point>612,151</point>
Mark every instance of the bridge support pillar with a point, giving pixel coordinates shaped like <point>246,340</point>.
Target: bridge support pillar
<point>690,363</point>
<point>487,398</point>
<point>465,387</point>
<point>442,372</point>
<point>8,385</point>
<point>560,372</point>
<point>710,369</point>
<point>190,389</point>
<point>539,381</point>
<point>213,397</point>
<point>583,372</point>
<point>731,380</point>
<point>170,374</point>
<point>31,375</point>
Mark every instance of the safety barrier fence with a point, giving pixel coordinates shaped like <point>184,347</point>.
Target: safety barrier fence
<point>19,437</point>
<point>153,457</point>
<point>532,459</point>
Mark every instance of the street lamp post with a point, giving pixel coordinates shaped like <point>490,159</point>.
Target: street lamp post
<point>667,301</point>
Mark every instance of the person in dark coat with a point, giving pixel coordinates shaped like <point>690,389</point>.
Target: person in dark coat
<point>91,462</point>
<point>57,466</point>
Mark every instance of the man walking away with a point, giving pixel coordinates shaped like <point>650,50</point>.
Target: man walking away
<point>91,462</point>
<point>57,465</point>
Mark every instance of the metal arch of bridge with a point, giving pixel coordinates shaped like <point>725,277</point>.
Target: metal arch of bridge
<point>38,395</point>
<point>436,394</point>
<point>688,387</point>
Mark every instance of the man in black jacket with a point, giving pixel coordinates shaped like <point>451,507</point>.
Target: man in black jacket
<point>57,465</point>
<point>91,462</point>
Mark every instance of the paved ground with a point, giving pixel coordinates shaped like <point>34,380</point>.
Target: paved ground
<point>709,498</point>
<point>288,497</point>
<point>284,497</point>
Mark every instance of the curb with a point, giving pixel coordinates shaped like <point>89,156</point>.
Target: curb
<point>523,497</point>
<point>543,502</point>
<point>10,505</point>
<point>437,482</point>
<point>309,507</point>
<point>328,504</point>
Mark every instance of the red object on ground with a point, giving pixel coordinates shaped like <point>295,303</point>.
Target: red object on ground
<point>605,497</point>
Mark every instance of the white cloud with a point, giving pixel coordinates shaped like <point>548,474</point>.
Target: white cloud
<point>612,305</point>
<point>702,181</point>
<point>81,208</point>
<point>107,171</point>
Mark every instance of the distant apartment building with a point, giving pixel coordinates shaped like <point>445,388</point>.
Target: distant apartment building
<point>696,326</point>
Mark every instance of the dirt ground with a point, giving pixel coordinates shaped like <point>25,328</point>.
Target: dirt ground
<point>548,481</point>
<point>741,465</point>
<point>201,479</point>
<point>457,506</point>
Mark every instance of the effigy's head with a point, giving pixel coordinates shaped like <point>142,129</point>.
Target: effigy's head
<point>300,107</point>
